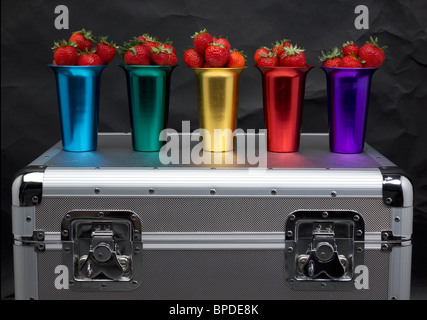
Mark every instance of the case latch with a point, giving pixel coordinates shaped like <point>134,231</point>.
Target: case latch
<point>103,250</point>
<point>322,249</point>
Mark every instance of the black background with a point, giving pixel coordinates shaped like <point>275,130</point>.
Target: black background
<point>397,117</point>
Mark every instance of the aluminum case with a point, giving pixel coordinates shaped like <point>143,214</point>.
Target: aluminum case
<point>119,224</point>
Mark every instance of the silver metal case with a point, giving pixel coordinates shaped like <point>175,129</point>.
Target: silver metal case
<point>119,224</point>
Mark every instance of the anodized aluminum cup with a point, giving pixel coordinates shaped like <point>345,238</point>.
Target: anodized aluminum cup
<point>218,101</point>
<point>78,89</point>
<point>283,91</point>
<point>148,95</point>
<point>348,101</point>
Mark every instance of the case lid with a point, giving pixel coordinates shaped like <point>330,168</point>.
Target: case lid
<point>115,150</point>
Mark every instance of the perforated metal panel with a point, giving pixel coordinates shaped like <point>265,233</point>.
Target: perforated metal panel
<point>212,214</point>
<point>215,274</point>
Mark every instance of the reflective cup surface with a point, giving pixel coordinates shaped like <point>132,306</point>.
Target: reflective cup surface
<point>148,95</point>
<point>78,90</point>
<point>283,91</point>
<point>348,101</point>
<point>218,101</point>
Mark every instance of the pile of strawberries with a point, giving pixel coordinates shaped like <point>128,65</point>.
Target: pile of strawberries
<point>370,55</point>
<point>82,50</point>
<point>147,50</point>
<point>212,52</point>
<point>282,54</point>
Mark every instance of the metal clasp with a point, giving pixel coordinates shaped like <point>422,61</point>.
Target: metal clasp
<point>102,249</point>
<point>323,257</point>
<point>322,249</point>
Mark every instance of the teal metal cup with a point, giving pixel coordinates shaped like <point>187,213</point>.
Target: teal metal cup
<point>148,94</point>
<point>78,89</point>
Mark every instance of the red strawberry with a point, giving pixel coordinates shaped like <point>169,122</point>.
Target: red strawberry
<point>332,63</point>
<point>83,39</point>
<point>89,58</point>
<point>236,59</point>
<point>216,55</point>
<point>162,56</point>
<point>350,48</point>
<point>350,61</point>
<point>65,53</point>
<point>106,50</point>
<point>222,41</point>
<point>259,52</point>
<point>201,40</point>
<point>54,63</point>
<point>135,52</point>
<point>278,48</point>
<point>168,45</point>
<point>293,57</point>
<point>372,54</point>
<point>332,58</point>
<point>268,60</point>
<point>173,59</point>
<point>193,59</point>
<point>206,65</point>
<point>149,40</point>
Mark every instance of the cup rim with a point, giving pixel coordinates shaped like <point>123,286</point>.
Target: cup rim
<point>146,66</point>
<point>283,67</point>
<point>348,69</point>
<point>69,66</point>
<point>220,68</point>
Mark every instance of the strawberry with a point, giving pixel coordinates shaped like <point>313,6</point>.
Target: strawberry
<point>173,59</point>
<point>106,50</point>
<point>222,41</point>
<point>135,52</point>
<point>372,54</point>
<point>350,61</point>
<point>216,55</point>
<point>65,53</point>
<point>54,63</point>
<point>193,59</point>
<point>332,58</point>
<point>168,45</point>
<point>201,40</point>
<point>332,62</point>
<point>162,56</point>
<point>89,58</point>
<point>292,57</point>
<point>83,39</point>
<point>149,40</point>
<point>278,48</point>
<point>268,60</point>
<point>350,48</point>
<point>206,65</point>
<point>259,52</point>
<point>236,59</point>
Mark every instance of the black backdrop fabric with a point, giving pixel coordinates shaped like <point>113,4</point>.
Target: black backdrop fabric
<point>398,107</point>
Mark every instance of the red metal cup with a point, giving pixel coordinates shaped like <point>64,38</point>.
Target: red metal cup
<point>283,98</point>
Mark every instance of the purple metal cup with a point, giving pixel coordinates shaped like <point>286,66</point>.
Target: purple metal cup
<point>348,101</point>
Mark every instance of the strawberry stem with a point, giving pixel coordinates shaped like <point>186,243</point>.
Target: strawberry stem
<point>332,53</point>
<point>160,49</point>
<point>199,33</point>
<point>374,42</point>
<point>103,39</point>
<point>86,51</point>
<point>130,46</point>
<point>268,55</point>
<point>63,43</point>
<point>293,50</point>
<point>347,44</point>
<point>87,34</point>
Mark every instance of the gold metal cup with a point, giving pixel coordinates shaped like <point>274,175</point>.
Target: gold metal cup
<point>218,100</point>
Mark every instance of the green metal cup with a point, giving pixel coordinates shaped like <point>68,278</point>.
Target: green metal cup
<point>148,94</point>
